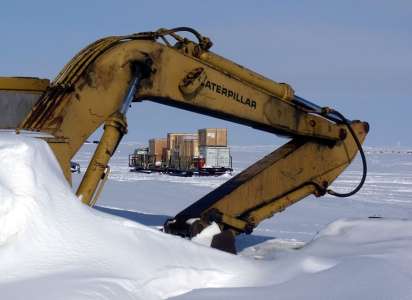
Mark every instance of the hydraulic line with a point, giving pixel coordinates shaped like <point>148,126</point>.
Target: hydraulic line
<point>336,117</point>
<point>364,164</point>
<point>204,42</point>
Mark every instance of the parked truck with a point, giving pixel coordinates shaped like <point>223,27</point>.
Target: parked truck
<point>204,153</point>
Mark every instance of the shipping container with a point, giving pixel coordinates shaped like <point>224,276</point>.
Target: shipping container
<point>216,137</point>
<point>215,157</point>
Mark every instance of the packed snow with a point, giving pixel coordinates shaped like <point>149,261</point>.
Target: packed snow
<point>54,247</point>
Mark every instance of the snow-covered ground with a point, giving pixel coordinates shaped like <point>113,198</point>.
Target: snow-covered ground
<point>387,192</point>
<point>53,247</point>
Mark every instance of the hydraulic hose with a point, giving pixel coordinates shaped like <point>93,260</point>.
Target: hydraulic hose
<point>336,117</point>
<point>364,164</point>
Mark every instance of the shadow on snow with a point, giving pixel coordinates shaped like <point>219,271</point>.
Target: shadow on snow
<point>242,241</point>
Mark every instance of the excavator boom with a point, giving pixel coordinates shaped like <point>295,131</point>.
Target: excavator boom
<point>99,83</point>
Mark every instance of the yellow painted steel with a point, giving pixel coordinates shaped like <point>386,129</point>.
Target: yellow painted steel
<point>281,90</point>
<point>287,175</point>
<point>90,90</point>
<point>285,171</point>
<point>114,129</point>
<point>28,84</point>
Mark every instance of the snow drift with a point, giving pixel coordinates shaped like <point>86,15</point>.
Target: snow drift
<point>350,259</point>
<point>57,248</point>
<point>54,247</point>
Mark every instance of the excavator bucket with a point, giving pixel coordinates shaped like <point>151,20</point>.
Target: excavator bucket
<point>224,241</point>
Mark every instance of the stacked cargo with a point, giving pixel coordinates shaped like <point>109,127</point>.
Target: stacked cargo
<point>156,147</point>
<point>183,147</point>
<point>188,145</point>
<point>173,149</point>
<point>215,157</point>
<point>205,153</point>
<point>213,148</point>
<point>188,148</point>
<point>216,137</point>
<point>173,139</point>
<point>166,157</point>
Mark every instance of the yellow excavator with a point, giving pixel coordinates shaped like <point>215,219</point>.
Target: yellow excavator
<point>99,84</point>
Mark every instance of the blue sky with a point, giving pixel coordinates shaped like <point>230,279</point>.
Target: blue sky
<point>355,56</point>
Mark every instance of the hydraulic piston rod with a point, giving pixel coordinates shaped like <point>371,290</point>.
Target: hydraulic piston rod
<point>115,128</point>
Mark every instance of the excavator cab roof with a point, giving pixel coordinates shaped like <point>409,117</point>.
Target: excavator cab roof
<point>25,84</point>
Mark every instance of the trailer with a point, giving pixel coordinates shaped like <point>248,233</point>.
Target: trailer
<point>142,161</point>
<point>183,167</point>
<point>185,154</point>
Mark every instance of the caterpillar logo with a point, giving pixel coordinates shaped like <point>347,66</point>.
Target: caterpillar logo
<point>233,95</point>
<point>196,80</point>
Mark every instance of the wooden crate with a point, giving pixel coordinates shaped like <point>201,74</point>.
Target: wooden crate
<point>216,137</point>
<point>156,146</point>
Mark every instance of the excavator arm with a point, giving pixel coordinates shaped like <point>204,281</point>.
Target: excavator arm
<point>99,83</point>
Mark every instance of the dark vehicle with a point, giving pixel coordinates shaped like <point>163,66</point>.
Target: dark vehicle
<point>75,167</point>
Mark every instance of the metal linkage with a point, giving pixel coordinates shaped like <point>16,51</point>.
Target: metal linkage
<point>337,117</point>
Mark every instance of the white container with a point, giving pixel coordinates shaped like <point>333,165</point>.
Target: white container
<point>215,157</point>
